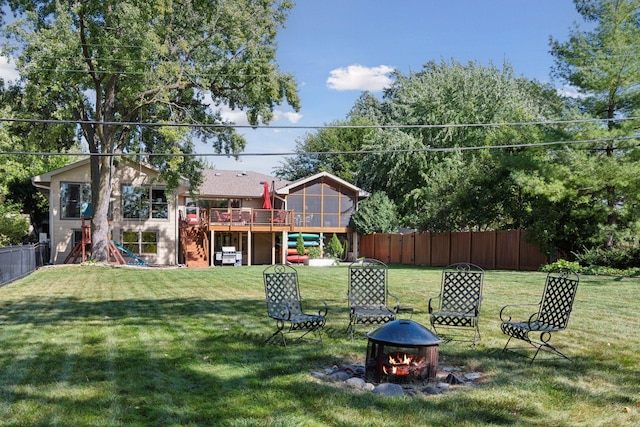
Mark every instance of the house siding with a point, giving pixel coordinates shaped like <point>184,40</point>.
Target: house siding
<point>62,229</point>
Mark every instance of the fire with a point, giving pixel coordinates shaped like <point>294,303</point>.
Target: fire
<point>403,364</point>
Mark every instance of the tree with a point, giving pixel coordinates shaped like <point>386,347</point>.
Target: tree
<point>603,64</point>
<point>328,150</point>
<point>110,66</point>
<point>377,214</point>
<point>17,169</point>
<point>14,227</point>
<point>424,163</point>
<point>334,247</point>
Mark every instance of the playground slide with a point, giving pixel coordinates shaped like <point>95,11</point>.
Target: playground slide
<point>136,260</point>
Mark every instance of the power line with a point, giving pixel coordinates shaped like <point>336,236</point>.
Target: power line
<point>324,153</point>
<point>325,126</point>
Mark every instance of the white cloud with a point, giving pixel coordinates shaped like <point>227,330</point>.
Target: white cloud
<point>291,116</point>
<point>8,70</point>
<point>570,92</point>
<point>358,77</point>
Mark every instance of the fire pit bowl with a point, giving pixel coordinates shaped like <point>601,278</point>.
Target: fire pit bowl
<point>401,351</point>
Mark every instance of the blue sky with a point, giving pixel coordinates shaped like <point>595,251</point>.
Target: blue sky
<point>336,49</point>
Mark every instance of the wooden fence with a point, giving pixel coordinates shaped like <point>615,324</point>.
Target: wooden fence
<point>502,249</point>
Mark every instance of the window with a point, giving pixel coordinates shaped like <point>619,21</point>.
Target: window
<point>140,242</point>
<point>144,203</point>
<point>74,200</point>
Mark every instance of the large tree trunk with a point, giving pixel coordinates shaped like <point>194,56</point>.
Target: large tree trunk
<point>101,167</point>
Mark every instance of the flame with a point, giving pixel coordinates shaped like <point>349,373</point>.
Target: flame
<point>400,364</point>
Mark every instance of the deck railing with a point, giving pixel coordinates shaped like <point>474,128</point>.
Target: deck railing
<point>250,217</point>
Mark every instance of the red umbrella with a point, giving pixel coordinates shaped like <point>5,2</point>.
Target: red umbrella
<point>266,203</point>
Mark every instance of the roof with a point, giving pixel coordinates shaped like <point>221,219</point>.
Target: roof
<point>237,183</point>
<point>286,189</point>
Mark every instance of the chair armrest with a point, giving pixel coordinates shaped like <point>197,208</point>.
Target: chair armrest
<point>431,299</point>
<point>326,310</point>
<point>397,306</point>
<point>508,307</point>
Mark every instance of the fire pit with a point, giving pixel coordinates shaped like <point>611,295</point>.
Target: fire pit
<point>401,351</point>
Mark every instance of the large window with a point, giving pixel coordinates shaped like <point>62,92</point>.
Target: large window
<point>75,200</point>
<point>140,242</point>
<point>144,203</point>
<point>322,204</point>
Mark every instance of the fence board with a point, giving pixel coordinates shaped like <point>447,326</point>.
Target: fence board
<point>382,247</point>
<point>483,248</point>
<point>460,249</point>
<point>508,249</point>
<point>531,258</point>
<point>408,249</point>
<point>440,247</point>
<point>422,247</point>
<point>395,248</point>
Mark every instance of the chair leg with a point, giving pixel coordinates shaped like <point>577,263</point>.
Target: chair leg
<point>278,332</point>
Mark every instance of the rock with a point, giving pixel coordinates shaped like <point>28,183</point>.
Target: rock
<point>369,387</point>
<point>431,390</point>
<point>389,389</point>
<point>338,376</point>
<point>355,382</point>
<point>443,386</point>
<point>454,379</point>
<point>473,375</point>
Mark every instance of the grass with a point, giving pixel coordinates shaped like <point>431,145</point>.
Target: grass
<point>99,346</point>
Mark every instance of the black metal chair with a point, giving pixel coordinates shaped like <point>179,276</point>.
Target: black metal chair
<point>284,305</point>
<point>368,294</point>
<point>551,316</point>
<point>458,302</point>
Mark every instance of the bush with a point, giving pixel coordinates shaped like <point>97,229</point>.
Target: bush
<point>334,247</point>
<point>13,226</point>
<point>620,258</point>
<point>315,252</point>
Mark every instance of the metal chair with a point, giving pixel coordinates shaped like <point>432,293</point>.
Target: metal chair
<point>551,316</point>
<point>368,294</point>
<point>459,301</point>
<point>284,305</point>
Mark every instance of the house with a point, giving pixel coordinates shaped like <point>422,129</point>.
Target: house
<point>238,217</point>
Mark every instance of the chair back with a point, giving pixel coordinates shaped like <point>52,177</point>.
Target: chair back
<point>282,291</point>
<point>461,288</point>
<point>367,283</point>
<point>557,299</point>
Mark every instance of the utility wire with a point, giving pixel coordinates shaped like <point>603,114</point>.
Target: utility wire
<point>323,153</point>
<point>236,126</point>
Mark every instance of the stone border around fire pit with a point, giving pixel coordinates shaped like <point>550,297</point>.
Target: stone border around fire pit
<point>352,376</point>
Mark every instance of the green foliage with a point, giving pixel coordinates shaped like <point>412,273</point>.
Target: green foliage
<point>591,270</point>
<point>300,244</point>
<point>620,258</point>
<point>14,226</point>
<point>109,63</point>
<point>599,63</point>
<point>315,252</point>
<point>455,190</point>
<point>334,247</point>
<point>316,152</point>
<point>377,214</point>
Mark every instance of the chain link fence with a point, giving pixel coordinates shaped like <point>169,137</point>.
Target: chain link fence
<point>19,261</point>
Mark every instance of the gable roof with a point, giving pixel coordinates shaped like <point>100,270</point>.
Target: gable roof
<point>230,183</point>
<point>286,189</point>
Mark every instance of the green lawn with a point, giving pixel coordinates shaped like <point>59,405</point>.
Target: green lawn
<point>100,346</point>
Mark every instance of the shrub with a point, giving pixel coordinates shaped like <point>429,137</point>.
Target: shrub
<point>334,247</point>
<point>315,252</point>
<point>620,258</point>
